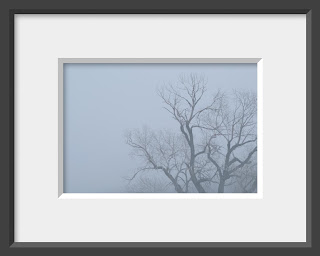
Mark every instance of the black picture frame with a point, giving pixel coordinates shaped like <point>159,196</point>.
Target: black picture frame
<point>8,244</point>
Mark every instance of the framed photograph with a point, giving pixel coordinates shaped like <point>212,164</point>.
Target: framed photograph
<point>184,126</point>
<point>160,128</point>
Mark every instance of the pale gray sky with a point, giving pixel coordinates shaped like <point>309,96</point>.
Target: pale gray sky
<point>102,101</point>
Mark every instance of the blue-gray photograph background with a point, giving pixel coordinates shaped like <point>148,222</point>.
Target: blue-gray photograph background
<point>103,101</point>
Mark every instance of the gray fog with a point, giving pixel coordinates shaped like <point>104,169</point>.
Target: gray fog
<point>103,101</point>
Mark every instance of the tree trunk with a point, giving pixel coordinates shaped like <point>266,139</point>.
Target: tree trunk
<point>199,187</point>
<point>194,179</point>
<point>177,187</point>
<point>221,186</point>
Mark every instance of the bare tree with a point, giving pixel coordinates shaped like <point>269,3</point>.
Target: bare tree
<point>183,102</point>
<point>234,128</point>
<point>216,142</point>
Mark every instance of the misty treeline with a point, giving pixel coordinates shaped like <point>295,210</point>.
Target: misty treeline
<point>214,150</point>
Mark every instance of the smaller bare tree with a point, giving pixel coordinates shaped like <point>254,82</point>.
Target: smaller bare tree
<point>163,152</point>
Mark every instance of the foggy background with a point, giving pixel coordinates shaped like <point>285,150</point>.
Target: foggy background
<point>103,101</point>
